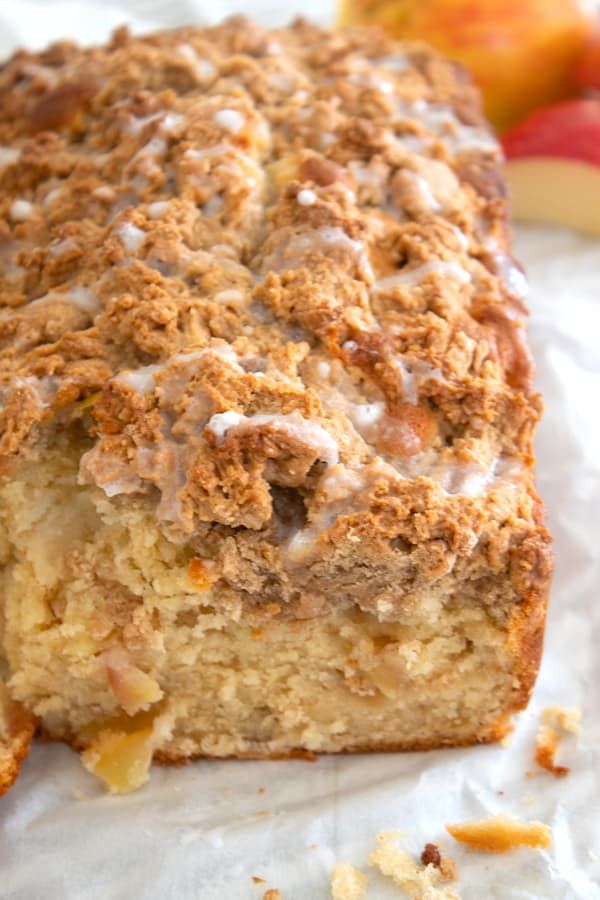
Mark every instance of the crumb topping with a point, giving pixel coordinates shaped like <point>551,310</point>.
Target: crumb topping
<point>234,270</point>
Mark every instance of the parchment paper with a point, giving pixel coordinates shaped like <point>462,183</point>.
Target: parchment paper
<point>204,830</point>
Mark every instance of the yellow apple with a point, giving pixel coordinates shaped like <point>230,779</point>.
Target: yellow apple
<point>520,52</point>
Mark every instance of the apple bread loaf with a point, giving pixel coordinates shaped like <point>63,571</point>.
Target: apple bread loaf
<point>266,472</point>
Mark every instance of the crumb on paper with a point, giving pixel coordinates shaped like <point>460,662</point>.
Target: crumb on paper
<point>348,883</point>
<point>272,894</point>
<point>258,880</point>
<point>261,789</point>
<point>431,856</point>
<point>79,795</point>
<point>500,834</point>
<point>592,855</point>
<point>554,720</point>
<point>416,880</point>
<point>567,718</point>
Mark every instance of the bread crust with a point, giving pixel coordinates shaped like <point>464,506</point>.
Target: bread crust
<point>17,727</point>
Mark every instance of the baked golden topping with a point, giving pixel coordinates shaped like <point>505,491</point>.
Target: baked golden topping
<point>235,258</point>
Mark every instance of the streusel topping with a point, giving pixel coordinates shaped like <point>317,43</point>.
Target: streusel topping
<point>234,259</point>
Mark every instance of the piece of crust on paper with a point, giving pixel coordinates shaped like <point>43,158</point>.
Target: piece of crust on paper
<point>348,883</point>
<point>499,834</point>
<point>416,880</point>
<point>555,720</point>
<point>16,731</point>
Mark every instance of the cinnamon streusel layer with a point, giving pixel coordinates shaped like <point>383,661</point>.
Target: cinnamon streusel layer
<point>266,403</point>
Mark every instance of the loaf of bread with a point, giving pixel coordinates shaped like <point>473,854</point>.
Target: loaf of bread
<point>266,404</point>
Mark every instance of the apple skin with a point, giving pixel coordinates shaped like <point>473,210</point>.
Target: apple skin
<point>586,73</point>
<point>553,165</point>
<point>521,53</point>
<point>567,130</point>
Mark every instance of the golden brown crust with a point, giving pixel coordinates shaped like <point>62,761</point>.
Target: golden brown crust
<point>16,732</point>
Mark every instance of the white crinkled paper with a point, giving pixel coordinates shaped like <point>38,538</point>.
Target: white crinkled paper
<point>203,831</point>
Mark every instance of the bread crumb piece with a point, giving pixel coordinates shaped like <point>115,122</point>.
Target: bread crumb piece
<point>498,834</point>
<point>272,894</point>
<point>431,856</point>
<point>417,881</point>
<point>555,717</point>
<point>258,880</point>
<point>592,855</point>
<point>348,883</point>
<point>564,717</point>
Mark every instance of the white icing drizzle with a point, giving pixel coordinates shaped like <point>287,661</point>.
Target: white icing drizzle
<point>141,380</point>
<point>442,122</point>
<point>21,210</point>
<point>395,62</point>
<point>135,124</point>
<point>213,207</point>
<point>229,296</point>
<point>8,156</point>
<point>203,69</point>
<point>511,274</point>
<point>413,277</point>
<point>366,415</point>
<point>199,153</point>
<point>303,430</point>
<point>221,423</point>
<point>58,248</point>
<point>339,487</point>
<point>474,479</point>
<point>306,197</point>
<point>131,236</point>
<point>425,193</point>
<point>292,253</point>
<point>158,209</point>
<point>230,119</point>
<point>42,389</point>
<point>53,195</point>
<point>81,297</point>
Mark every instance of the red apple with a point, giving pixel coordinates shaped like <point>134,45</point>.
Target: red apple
<point>586,73</point>
<point>553,165</point>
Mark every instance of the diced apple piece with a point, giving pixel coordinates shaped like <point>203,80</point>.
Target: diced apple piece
<point>553,168</point>
<point>199,572</point>
<point>133,688</point>
<point>569,130</point>
<point>556,191</point>
<point>122,761</point>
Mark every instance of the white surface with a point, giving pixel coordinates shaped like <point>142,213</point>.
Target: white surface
<point>203,831</point>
